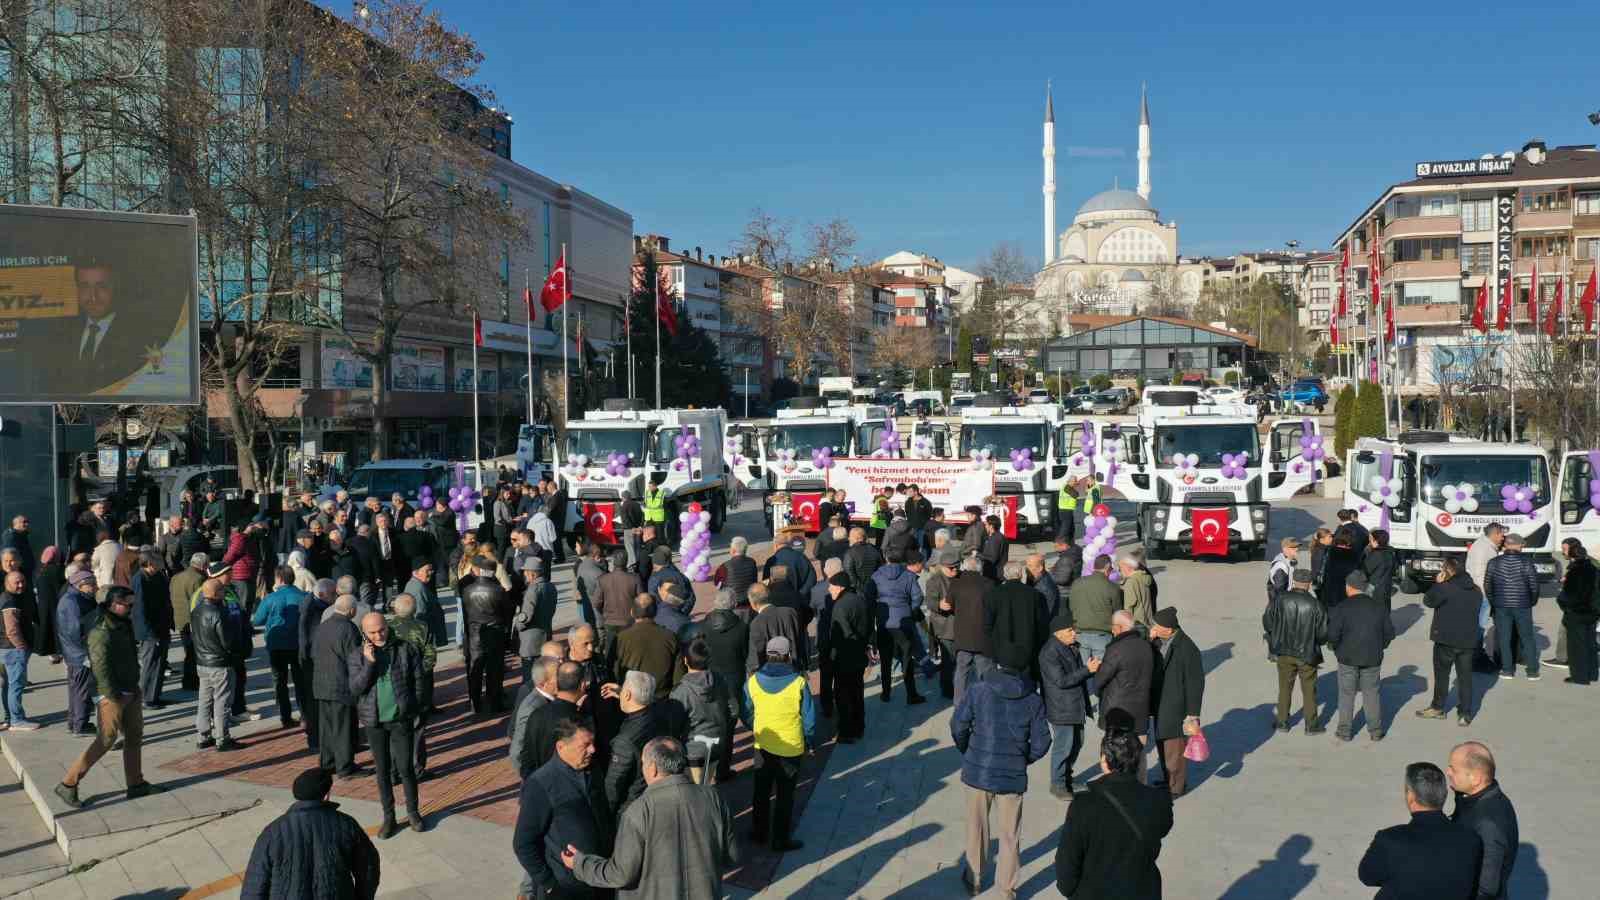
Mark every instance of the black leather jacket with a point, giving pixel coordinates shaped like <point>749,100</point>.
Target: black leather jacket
<point>213,646</point>
<point>1296,625</point>
<point>483,602</point>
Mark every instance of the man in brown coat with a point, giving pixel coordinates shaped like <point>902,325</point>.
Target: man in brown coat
<point>613,602</point>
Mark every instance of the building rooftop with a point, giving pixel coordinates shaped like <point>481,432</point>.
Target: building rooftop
<point>1115,200</point>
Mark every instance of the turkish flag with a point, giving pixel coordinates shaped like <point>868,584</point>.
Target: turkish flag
<point>1533,296</point>
<point>1209,532</point>
<point>600,522</point>
<point>666,311</point>
<point>1375,275</point>
<point>1008,515</point>
<point>477,329</point>
<point>1480,309</point>
<point>1588,299</point>
<point>1555,309</point>
<point>1507,293</point>
<point>803,508</point>
<point>557,288</point>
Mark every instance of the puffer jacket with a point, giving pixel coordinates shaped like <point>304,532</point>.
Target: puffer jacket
<point>313,850</point>
<point>242,557</point>
<point>404,667</point>
<point>1379,565</point>
<point>899,594</point>
<point>741,573</point>
<point>1511,582</point>
<point>1127,678</point>
<point>212,636</point>
<point>1066,569</point>
<point>728,638</point>
<point>1295,625</point>
<point>113,655</point>
<point>1455,604</point>
<point>74,608</point>
<point>701,700</point>
<point>1000,729</point>
<point>1065,680</point>
<point>898,539</point>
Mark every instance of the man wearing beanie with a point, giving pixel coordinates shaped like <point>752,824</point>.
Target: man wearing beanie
<point>1179,686</point>
<point>1065,683</point>
<point>851,627</point>
<point>313,850</point>
<point>1359,630</point>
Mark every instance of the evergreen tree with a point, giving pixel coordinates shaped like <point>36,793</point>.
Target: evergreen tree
<point>1344,410</point>
<point>1368,419</point>
<point>691,365</point>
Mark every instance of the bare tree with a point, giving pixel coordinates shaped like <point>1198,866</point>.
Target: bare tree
<point>830,245</point>
<point>1166,297</point>
<point>905,348</point>
<point>1008,308</point>
<point>765,240</point>
<point>404,176</point>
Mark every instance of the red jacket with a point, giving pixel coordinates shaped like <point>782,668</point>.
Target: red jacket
<point>242,556</point>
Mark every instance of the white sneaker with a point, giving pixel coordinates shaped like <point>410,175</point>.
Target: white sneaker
<point>249,716</point>
<point>1507,677</point>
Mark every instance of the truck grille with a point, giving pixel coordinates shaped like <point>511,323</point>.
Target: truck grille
<point>1216,500</point>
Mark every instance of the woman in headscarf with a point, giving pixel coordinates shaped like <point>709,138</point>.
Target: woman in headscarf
<point>48,584</point>
<point>303,579</point>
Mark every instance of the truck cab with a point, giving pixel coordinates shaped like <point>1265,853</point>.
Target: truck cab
<point>536,447</point>
<point>994,427</point>
<point>1448,488</point>
<point>1182,457</point>
<point>625,446</point>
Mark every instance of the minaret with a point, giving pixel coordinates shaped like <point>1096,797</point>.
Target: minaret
<point>1049,177</point>
<point>1144,144</point>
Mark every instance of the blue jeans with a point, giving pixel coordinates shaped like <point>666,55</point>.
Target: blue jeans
<point>1065,742</point>
<point>16,663</point>
<point>1093,644</point>
<point>1505,620</point>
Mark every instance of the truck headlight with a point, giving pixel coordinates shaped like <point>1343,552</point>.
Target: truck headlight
<point>1258,514</point>
<point>1160,514</point>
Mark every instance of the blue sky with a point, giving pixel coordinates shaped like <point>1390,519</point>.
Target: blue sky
<point>920,123</point>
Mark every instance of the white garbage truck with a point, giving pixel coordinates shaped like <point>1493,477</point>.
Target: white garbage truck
<point>1197,471</point>
<point>1435,492</point>
<point>1017,442</point>
<point>785,445</point>
<point>625,446</point>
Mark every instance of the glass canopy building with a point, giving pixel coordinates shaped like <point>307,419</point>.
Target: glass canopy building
<point>1148,347</point>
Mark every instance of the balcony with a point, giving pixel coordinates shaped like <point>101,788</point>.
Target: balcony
<point>1421,226</point>
<point>1548,220</point>
<point>1422,268</point>
<point>1586,224</point>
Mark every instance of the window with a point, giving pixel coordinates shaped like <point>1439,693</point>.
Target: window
<point>1554,245</point>
<point>1477,215</point>
<point>1424,249</point>
<point>1588,248</point>
<point>1320,296</point>
<point>1477,258</point>
<point>1319,316</point>
<point>1438,205</point>
<point>1544,200</point>
<point>1587,204</point>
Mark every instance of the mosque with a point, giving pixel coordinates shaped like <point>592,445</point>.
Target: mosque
<point>1117,257</point>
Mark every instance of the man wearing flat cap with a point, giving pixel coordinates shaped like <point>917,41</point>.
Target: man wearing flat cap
<point>852,628</point>
<point>778,710</point>
<point>1359,630</point>
<point>312,850</point>
<point>1180,684</point>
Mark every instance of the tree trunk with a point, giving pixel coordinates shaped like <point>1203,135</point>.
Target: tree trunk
<point>244,438</point>
<point>380,402</point>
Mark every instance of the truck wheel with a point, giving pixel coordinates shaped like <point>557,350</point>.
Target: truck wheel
<point>1408,582</point>
<point>719,513</point>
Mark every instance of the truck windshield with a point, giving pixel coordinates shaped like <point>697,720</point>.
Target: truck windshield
<point>1171,398</point>
<point>1487,475</point>
<point>802,439</point>
<point>598,443</point>
<point>1001,439</point>
<point>1208,442</point>
<point>384,483</point>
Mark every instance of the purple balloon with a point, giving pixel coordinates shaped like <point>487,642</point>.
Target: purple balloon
<point>1507,490</point>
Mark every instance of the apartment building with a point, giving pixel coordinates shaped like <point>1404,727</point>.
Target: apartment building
<point>1318,293</point>
<point>1460,224</point>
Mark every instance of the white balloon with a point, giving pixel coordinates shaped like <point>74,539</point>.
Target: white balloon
<point>705,516</point>
<point>1392,500</point>
<point>1469,505</point>
<point>1111,522</point>
<point>1395,484</point>
<point>1451,506</point>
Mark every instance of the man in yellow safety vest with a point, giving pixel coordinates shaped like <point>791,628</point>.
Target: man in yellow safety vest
<point>778,708</point>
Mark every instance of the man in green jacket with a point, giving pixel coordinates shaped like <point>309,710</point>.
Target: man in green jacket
<point>183,587</point>
<point>114,659</point>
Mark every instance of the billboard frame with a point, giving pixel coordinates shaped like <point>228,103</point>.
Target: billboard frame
<point>192,222</point>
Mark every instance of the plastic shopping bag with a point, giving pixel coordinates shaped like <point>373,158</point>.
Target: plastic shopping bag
<point>1197,750</point>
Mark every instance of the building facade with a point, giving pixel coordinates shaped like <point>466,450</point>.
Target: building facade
<point>1464,225</point>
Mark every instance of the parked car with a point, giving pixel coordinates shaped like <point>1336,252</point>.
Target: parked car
<point>1305,392</point>
<point>1040,396</point>
<point>1104,403</point>
<point>1225,394</point>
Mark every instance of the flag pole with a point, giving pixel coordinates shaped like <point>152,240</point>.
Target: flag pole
<point>627,330</point>
<point>527,303</point>
<point>655,291</point>
<point>477,442</point>
<point>566,295</point>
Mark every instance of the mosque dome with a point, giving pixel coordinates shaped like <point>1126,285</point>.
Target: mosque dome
<point>1115,204</point>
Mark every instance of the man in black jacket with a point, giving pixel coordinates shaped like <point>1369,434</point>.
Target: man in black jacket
<point>800,574</point>
<point>1296,626</point>
<point>1379,565</point>
<point>772,620</point>
<point>974,652</point>
<point>1483,807</point>
<point>1579,611</point>
<point>311,849</point>
<point>739,573</point>
<point>214,645</point>
<point>337,640</point>
<point>1113,833</point>
<point>1067,565</point>
<point>1124,675</point>
<point>995,550</point>
<point>918,511</point>
<point>642,720</point>
<point>486,610</point>
<point>1064,682</point>
<point>1359,630</point>
<point>1015,620</point>
<point>1511,585</point>
<point>860,561</point>
<point>832,542</point>
<point>386,678</point>
<point>1428,858</point>
<point>561,807</point>
<point>851,631</point>
<point>539,739</point>
<point>1455,601</point>
<point>1179,689</point>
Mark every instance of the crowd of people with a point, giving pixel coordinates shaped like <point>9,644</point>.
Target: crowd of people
<point>623,723</point>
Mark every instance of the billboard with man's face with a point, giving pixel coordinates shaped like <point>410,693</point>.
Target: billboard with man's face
<point>98,307</point>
